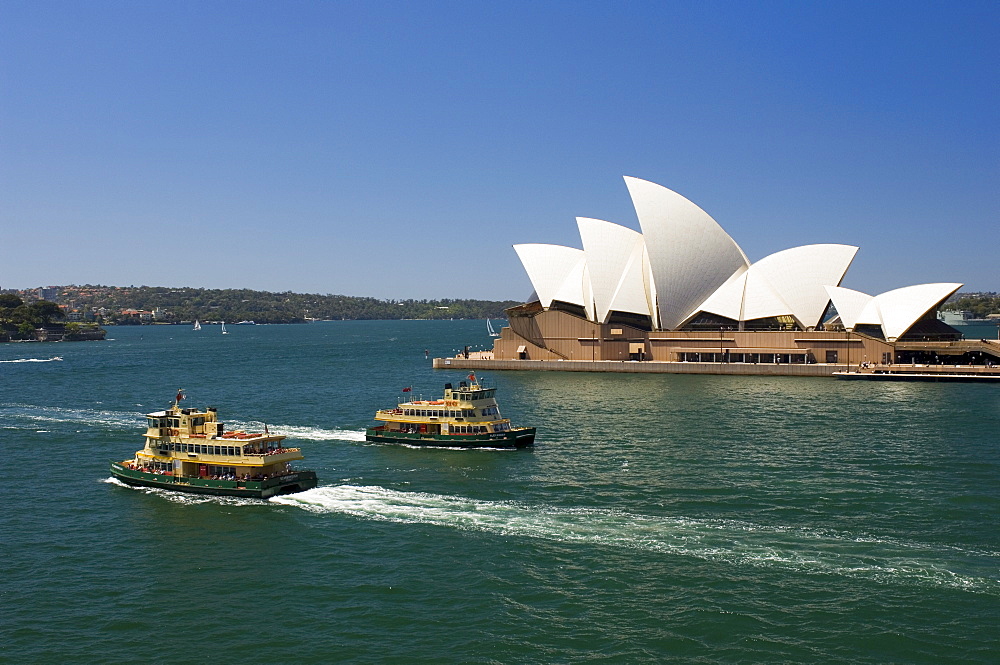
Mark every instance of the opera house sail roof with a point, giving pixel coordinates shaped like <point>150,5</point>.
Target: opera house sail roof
<point>683,270</point>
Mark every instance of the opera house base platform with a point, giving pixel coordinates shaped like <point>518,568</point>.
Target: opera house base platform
<point>637,367</point>
<point>558,341</point>
<point>885,373</point>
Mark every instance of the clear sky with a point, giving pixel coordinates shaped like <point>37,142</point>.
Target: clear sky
<point>399,149</point>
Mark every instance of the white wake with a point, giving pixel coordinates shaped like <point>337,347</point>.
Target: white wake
<point>729,541</point>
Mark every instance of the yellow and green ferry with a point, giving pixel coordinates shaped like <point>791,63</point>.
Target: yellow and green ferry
<point>466,417</point>
<point>188,450</point>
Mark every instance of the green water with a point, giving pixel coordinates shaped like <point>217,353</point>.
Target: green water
<point>659,518</point>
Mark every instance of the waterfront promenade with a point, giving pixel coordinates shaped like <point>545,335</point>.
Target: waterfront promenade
<point>484,361</point>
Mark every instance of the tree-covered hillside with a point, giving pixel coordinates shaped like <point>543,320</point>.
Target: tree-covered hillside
<point>980,304</point>
<point>188,304</point>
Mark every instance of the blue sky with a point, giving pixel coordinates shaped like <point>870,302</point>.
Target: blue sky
<point>399,149</point>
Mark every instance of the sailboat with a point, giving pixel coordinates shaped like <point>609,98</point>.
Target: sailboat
<point>490,330</point>
<point>224,331</point>
<point>197,325</point>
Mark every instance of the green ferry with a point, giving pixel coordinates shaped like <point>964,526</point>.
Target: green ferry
<point>188,450</point>
<point>466,417</point>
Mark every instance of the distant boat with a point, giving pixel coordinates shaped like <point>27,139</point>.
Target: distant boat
<point>490,330</point>
<point>224,331</point>
<point>197,325</point>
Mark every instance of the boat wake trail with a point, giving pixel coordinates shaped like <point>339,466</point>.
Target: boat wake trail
<point>34,360</point>
<point>317,434</point>
<point>35,414</point>
<point>188,499</point>
<point>30,415</point>
<point>728,541</point>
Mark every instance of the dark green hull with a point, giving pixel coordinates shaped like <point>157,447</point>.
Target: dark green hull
<point>519,438</point>
<point>289,483</point>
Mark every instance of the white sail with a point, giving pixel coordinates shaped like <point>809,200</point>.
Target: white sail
<point>197,325</point>
<point>224,332</point>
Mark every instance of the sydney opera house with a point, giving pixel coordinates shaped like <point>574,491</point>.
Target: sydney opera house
<point>683,291</point>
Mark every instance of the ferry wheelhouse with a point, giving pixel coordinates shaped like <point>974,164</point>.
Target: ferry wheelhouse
<point>188,450</point>
<point>466,417</point>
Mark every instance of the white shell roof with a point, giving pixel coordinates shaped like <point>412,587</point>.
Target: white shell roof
<point>789,282</point>
<point>727,300</point>
<point>615,259</point>
<point>690,254</point>
<point>556,273</point>
<point>895,311</point>
<point>901,308</point>
<point>850,304</point>
<point>683,263</point>
<point>799,274</point>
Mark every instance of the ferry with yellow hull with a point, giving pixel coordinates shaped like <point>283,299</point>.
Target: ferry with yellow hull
<point>466,417</point>
<point>188,450</point>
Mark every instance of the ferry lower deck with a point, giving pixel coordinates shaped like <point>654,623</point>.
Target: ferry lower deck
<point>515,438</point>
<point>287,483</point>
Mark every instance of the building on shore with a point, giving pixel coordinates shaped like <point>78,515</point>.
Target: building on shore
<point>681,296</point>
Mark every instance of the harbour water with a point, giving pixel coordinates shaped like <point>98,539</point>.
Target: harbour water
<point>660,518</point>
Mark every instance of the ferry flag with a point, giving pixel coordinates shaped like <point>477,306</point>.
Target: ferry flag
<point>472,377</point>
<point>407,389</point>
<point>180,395</point>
